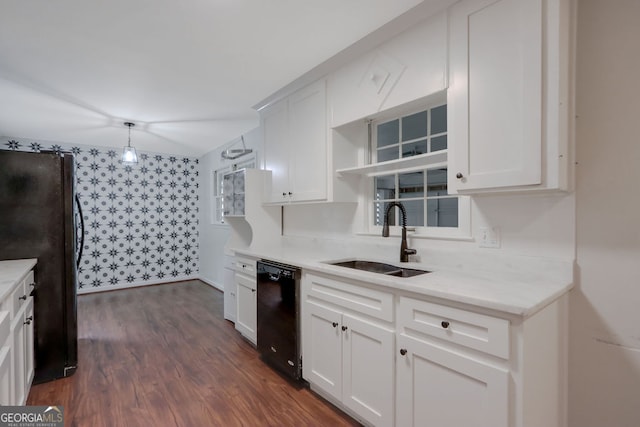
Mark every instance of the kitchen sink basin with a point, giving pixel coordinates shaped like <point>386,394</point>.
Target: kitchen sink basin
<point>380,268</point>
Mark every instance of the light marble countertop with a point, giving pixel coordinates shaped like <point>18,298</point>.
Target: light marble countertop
<point>508,292</point>
<point>12,272</point>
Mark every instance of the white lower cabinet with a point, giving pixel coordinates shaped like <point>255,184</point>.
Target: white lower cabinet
<point>246,315</point>
<point>17,361</point>
<point>389,358</point>
<point>246,299</point>
<point>440,387</point>
<point>6,348</point>
<point>348,356</point>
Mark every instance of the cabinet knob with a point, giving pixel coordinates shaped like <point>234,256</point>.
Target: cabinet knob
<point>284,194</point>
<point>444,324</point>
<point>28,322</point>
<point>290,193</point>
<point>403,351</point>
<point>344,328</point>
<point>30,318</point>
<point>335,324</point>
<point>23,297</point>
<point>33,285</point>
<point>253,290</point>
<point>459,175</point>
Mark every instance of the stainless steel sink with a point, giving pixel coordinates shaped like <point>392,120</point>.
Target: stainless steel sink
<point>380,268</point>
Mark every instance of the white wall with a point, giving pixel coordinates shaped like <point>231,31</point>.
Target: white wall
<point>605,306</point>
<point>213,237</point>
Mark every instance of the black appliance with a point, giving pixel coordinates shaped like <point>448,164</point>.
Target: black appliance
<point>278,317</point>
<point>37,220</point>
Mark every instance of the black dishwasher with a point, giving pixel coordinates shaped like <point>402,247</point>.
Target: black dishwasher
<point>278,317</point>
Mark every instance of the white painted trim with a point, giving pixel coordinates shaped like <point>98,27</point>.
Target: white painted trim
<point>212,283</point>
<point>92,289</point>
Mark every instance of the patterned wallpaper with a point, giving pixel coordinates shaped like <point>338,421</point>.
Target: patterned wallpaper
<point>141,221</point>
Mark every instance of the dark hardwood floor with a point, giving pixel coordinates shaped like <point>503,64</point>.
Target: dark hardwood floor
<point>164,356</point>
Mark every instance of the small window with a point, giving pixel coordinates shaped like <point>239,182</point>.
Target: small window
<point>424,194</point>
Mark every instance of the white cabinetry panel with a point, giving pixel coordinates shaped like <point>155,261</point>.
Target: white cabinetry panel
<point>508,95</point>
<point>439,387</point>
<point>295,146</point>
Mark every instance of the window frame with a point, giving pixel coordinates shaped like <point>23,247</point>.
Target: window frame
<point>463,230</point>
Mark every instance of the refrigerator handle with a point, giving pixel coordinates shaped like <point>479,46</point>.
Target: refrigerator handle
<point>81,230</point>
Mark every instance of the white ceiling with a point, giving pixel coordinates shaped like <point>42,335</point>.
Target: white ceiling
<point>185,71</point>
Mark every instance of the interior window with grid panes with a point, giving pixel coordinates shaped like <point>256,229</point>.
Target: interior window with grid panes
<point>424,192</point>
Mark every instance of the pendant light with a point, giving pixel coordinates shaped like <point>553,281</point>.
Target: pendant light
<point>129,155</point>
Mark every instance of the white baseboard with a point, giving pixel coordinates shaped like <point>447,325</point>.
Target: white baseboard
<point>212,283</point>
<point>92,289</point>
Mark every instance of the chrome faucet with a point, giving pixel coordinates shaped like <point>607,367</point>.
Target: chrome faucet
<point>404,250</point>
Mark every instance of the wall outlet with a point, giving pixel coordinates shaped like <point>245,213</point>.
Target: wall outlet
<point>489,237</point>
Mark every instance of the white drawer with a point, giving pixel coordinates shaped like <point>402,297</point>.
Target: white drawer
<point>246,266</point>
<point>360,299</point>
<point>480,332</point>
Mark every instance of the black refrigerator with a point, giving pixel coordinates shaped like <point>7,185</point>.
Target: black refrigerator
<point>38,220</point>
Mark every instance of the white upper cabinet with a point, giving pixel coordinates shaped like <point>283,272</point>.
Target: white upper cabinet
<point>508,95</point>
<point>407,67</point>
<point>295,140</point>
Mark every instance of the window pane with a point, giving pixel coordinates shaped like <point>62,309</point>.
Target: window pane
<point>439,143</point>
<point>411,185</point>
<point>415,213</point>
<point>437,182</point>
<point>439,119</point>
<point>414,126</point>
<point>378,213</point>
<point>387,154</point>
<point>388,133</point>
<point>442,212</point>
<point>385,187</point>
<point>414,148</point>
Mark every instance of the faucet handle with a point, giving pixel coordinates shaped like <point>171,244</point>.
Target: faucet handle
<point>411,229</point>
<point>410,251</point>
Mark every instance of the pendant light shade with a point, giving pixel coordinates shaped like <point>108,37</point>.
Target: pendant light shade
<point>129,155</point>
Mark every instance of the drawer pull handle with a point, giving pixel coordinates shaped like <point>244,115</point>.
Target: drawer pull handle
<point>335,324</point>
<point>344,328</point>
<point>459,175</point>
<point>23,297</point>
<point>403,351</point>
<point>444,324</point>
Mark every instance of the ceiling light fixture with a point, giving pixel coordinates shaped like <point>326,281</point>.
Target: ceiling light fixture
<point>129,155</point>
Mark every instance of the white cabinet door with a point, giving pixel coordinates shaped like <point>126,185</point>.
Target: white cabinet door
<point>29,360</point>
<point>368,370</point>
<point>275,128</point>
<point>446,389</point>
<point>6,344</point>
<point>495,95</point>
<point>308,143</point>
<point>246,313</point>
<point>230,294</point>
<point>322,352</point>
<point>18,359</point>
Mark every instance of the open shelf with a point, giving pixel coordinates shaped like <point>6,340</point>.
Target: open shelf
<point>407,164</point>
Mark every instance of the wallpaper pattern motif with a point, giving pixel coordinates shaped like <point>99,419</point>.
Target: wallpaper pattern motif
<point>141,221</point>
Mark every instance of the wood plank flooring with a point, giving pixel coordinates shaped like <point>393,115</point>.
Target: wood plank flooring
<point>164,356</point>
